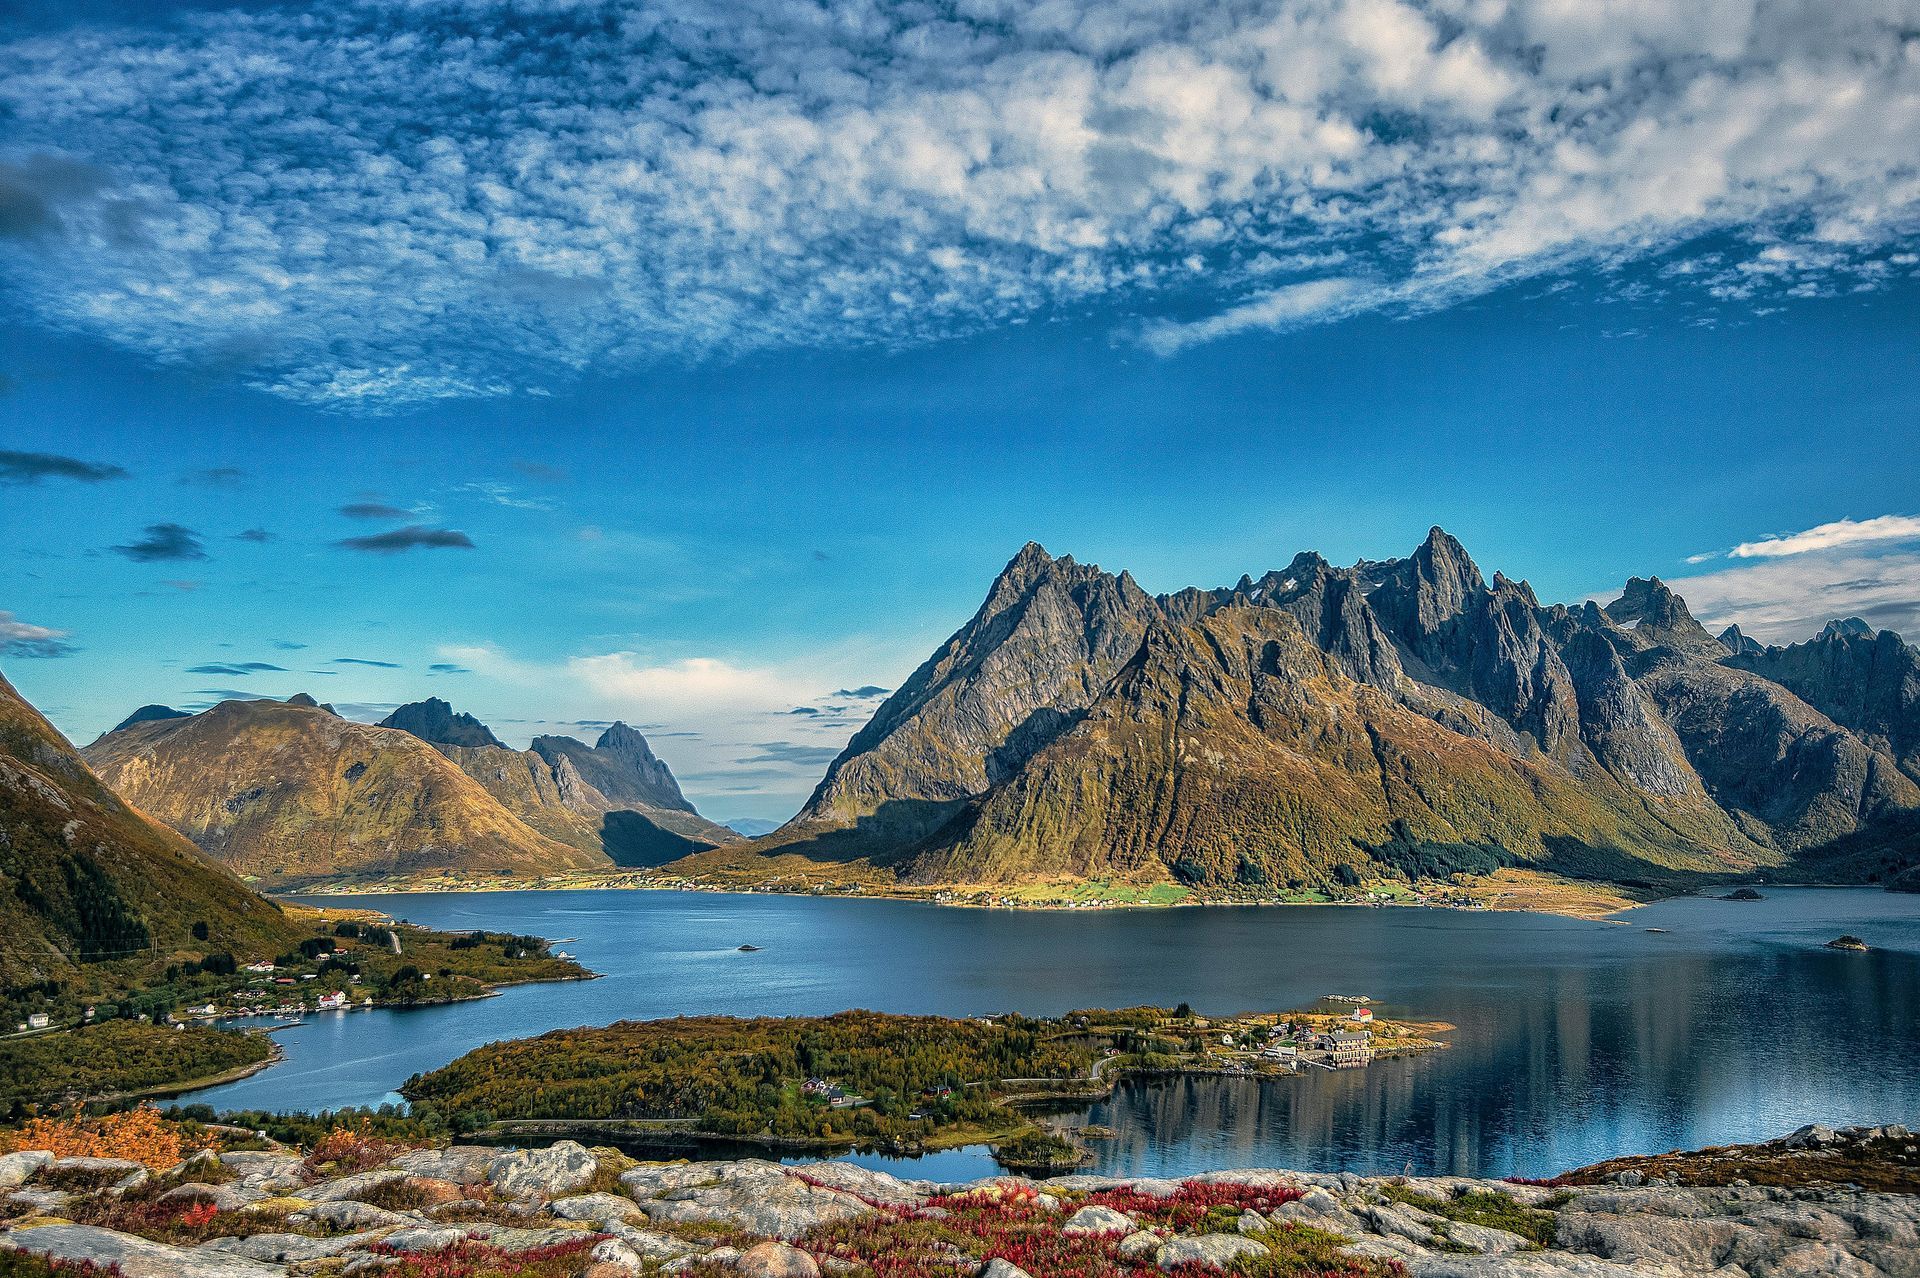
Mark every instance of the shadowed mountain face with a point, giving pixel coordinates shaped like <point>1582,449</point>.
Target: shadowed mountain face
<point>434,721</point>
<point>1869,682</point>
<point>543,786</point>
<point>1322,725</point>
<point>86,879</point>
<point>290,793</point>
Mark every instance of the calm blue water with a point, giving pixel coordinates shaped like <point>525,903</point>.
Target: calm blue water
<point>1576,1040</point>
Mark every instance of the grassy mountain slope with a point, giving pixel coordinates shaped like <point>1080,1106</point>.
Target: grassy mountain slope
<point>84,878</point>
<point>289,793</point>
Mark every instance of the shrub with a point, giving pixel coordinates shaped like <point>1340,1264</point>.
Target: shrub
<point>140,1134</point>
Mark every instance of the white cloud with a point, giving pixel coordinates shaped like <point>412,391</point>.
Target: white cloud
<point>1788,599</point>
<point>25,639</point>
<point>1841,532</point>
<point>1284,308</point>
<point>727,730</point>
<point>386,202</point>
<point>689,688</point>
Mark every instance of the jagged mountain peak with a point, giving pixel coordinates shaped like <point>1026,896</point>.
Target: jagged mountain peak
<point>1648,606</point>
<point>1847,627</point>
<point>621,765</point>
<point>1739,643</point>
<point>433,720</point>
<point>306,702</point>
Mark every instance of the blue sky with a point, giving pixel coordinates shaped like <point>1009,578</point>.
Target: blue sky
<point>699,365</point>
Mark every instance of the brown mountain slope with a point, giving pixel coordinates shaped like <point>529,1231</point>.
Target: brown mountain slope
<point>545,788</point>
<point>290,793</point>
<point>85,878</point>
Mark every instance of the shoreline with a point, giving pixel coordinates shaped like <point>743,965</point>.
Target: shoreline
<point>168,1091</point>
<point>1593,900</point>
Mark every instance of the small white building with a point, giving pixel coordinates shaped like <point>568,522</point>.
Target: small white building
<point>38,1020</point>
<point>336,1001</point>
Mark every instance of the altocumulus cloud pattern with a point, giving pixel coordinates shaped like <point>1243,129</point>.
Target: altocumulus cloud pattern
<point>392,201</point>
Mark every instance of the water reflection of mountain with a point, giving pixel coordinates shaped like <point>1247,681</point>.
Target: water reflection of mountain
<point>1566,1065</point>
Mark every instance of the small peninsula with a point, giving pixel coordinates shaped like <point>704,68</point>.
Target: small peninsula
<point>867,1080</point>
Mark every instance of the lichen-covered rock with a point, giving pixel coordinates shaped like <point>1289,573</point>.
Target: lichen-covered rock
<point>461,1164</point>
<point>287,1249</point>
<point>874,1186</point>
<point>1215,1251</point>
<point>1001,1268</point>
<point>347,1214</point>
<point>352,1187</point>
<point>611,1251</point>
<point>561,1168</point>
<point>761,1198</point>
<point>222,1197</point>
<point>598,1208</point>
<point>425,1238</point>
<point>651,1245</point>
<point>1094,1219</point>
<point>17,1169</point>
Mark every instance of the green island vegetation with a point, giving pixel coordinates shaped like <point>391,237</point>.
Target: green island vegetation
<point>872,1080</point>
<point>105,1029</point>
<point>118,1058</point>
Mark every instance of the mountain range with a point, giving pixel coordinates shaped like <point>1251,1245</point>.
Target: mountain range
<point>85,878</point>
<point>290,793</point>
<point>1323,726</point>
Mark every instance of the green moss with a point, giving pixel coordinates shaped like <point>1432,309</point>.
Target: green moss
<point>1487,1208</point>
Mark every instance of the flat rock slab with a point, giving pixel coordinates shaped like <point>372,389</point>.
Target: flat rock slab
<point>874,1186</point>
<point>133,1257</point>
<point>350,1188</point>
<point>761,1199</point>
<point>1216,1251</point>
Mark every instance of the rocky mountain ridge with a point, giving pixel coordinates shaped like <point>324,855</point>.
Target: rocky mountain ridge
<point>632,810</point>
<point>1322,725</point>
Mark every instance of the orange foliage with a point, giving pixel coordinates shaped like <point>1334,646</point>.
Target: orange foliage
<point>352,1149</point>
<point>137,1134</point>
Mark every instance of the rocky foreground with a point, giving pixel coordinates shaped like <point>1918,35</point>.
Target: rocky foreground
<point>570,1212</point>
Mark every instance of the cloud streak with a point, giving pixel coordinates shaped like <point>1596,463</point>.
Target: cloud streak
<point>515,192</point>
<point>1832,536</point>
<point>164,542</point>
<point>412,537</point>
<point>31,468</point>
<point>24,639</point>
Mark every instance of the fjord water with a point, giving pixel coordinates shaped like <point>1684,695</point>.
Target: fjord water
<point>1575,1040</point>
